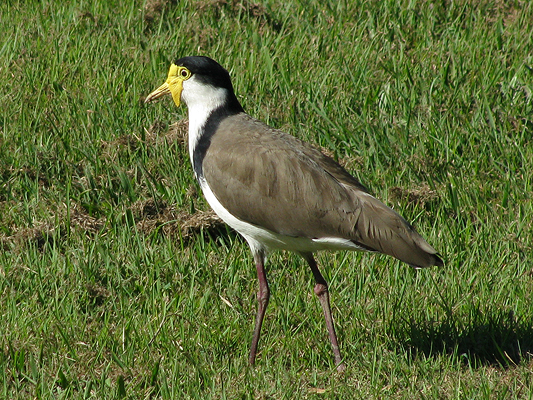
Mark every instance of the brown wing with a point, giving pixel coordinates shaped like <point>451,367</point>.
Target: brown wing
<point>289,187</point>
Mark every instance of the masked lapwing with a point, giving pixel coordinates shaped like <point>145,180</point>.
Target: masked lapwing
<point>278,192</point>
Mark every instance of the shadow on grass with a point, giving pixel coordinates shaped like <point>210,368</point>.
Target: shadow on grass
<point>493,339</point>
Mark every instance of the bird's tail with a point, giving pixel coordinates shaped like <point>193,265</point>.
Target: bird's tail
<point>382,229</point>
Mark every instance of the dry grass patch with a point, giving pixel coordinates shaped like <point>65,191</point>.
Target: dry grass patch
<point>419,196</point>
<point>159,217</point>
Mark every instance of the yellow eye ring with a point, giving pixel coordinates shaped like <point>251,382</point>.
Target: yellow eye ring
<point>184,73</point>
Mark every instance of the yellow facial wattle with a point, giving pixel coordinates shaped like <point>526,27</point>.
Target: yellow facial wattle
<point>173,85</point>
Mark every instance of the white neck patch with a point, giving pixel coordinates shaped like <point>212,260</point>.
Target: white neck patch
<point>201,100</point>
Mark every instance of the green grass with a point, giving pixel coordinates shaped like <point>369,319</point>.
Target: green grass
<point>428,103</point>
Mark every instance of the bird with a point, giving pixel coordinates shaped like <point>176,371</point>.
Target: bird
<point>279,192</point>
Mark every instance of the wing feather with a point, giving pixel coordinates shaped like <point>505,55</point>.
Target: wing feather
<point>271,179</point>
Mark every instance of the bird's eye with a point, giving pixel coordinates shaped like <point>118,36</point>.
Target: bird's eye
<point>185,73</point>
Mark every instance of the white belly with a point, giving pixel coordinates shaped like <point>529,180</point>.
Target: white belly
<point>263,239</point>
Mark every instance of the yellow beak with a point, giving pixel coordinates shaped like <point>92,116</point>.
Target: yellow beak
<point>173,85</point>
<point>161,91</point>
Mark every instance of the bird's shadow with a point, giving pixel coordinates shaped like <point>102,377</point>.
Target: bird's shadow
<point>486,339</point>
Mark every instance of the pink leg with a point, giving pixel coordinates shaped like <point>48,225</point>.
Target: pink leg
<point>321,290</point>
<point>263,296</point>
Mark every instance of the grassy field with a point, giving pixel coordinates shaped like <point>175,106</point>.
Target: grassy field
<point>117,282</point>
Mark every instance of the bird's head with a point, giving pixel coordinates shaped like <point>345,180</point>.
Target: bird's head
<point>197,80</point>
